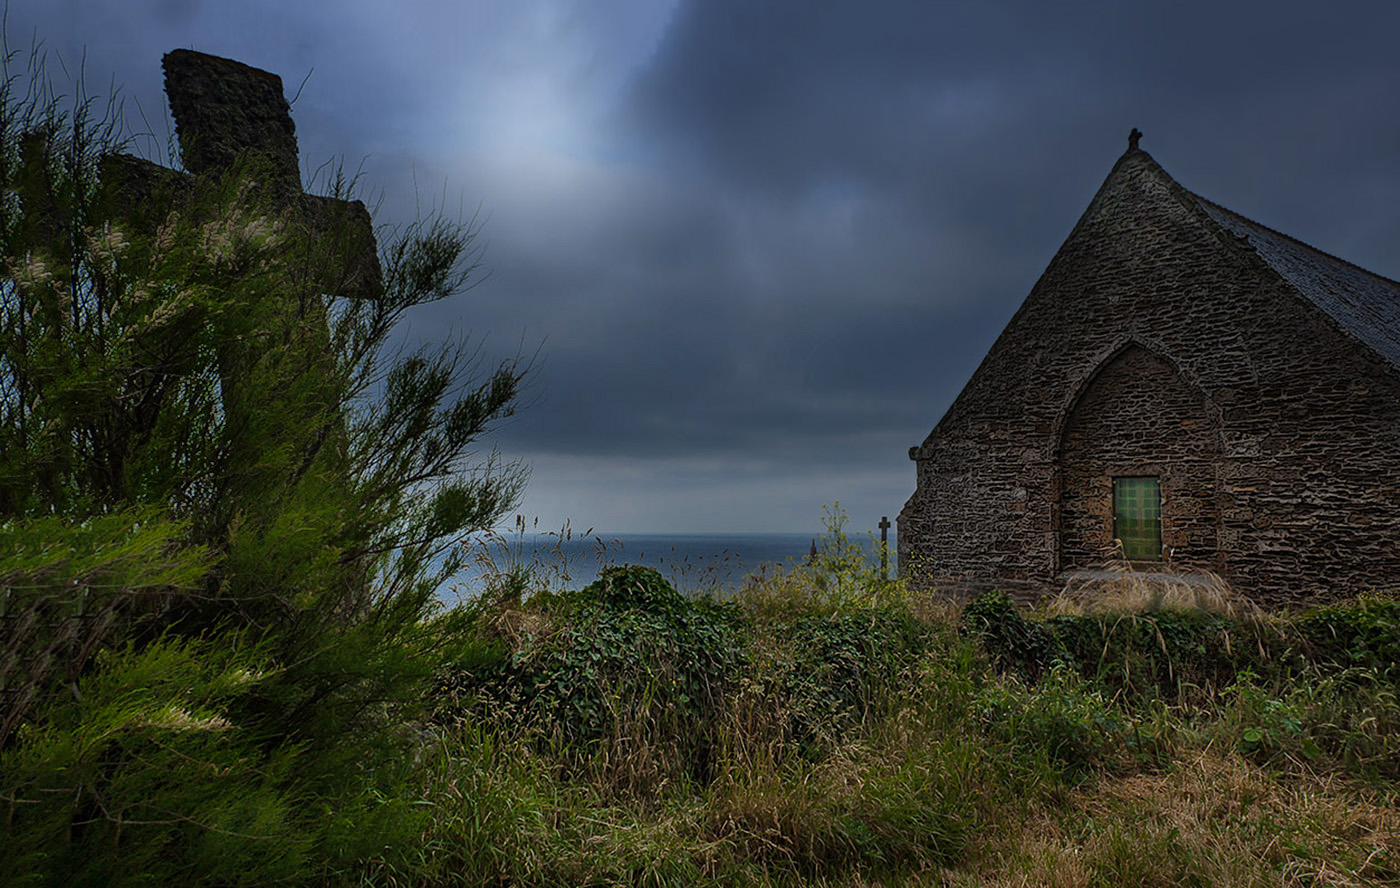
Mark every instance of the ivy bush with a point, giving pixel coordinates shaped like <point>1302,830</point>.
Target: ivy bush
<point>626,658</point>
<point>844,665</point>
<point>1014,643</point>
<point>1171,654</point>
<point>1360,634</point>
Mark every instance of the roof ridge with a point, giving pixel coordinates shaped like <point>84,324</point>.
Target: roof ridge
<point>1291,239</point>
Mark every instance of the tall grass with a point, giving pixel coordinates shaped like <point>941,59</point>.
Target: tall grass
<point>823,726</point>
<point>1119,588</point>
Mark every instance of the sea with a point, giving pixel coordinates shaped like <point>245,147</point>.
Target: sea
<point>695,563</point>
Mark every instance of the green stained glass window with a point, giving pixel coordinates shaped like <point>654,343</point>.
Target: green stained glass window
<point>1137,517</point>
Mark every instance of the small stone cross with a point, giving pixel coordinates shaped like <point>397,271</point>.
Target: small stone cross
<point>884,547</point>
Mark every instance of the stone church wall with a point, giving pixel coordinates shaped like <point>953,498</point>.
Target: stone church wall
<point>1158,343</point>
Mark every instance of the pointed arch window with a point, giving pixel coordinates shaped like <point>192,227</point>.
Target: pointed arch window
<point>1137,517</point>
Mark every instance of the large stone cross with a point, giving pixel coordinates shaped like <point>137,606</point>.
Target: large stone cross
<point>228,113</point>
<point>224,111</point>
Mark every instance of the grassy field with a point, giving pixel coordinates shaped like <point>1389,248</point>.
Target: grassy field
<point>825,728</point>
<point>818,727</point>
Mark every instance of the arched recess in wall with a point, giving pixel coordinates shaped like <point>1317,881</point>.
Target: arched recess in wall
<point>1138,417</point>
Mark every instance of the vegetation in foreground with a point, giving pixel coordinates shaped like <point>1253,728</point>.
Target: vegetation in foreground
<point>824,727</point>
<point>819,726</point>
<point>222,664</point>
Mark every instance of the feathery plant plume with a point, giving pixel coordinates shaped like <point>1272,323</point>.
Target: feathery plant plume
<point>223,492</point>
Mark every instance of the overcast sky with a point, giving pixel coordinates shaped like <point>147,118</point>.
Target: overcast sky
<point>760,246</point>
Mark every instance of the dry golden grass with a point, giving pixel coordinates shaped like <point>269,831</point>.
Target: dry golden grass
<point>1215,819</point>
<point>926,790</point>
<point>515,624</point>
<point>1119,588</point>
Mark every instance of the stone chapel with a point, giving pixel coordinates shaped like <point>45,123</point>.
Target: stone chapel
<point>1184,389</point>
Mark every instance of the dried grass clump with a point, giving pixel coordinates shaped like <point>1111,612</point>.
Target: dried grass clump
<point>857,733</point>
<point>1119,588</point>
<point>1216,819</point>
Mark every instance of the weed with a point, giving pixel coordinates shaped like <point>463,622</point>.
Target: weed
<point>817,727</point>
<point>1027,647</point>
<point>1061,720</point>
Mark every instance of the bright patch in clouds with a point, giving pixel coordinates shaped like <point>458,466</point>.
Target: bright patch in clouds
<point>760,246</point>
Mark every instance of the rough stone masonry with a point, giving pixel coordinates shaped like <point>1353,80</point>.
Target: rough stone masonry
<point>225,112</point>
<point>1254,379</point>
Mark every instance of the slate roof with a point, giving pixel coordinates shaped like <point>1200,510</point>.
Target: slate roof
<point>1363,303</point>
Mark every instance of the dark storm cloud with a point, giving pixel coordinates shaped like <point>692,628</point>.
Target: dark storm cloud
<point>965,139</point>
<point>760,246</point>
<point>987,113</point>
<point>788,95</point>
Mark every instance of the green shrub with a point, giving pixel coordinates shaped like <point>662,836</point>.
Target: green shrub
<point>151,762</point>
<point>1013,642</point>
<point>624,662</point>
<point>215,444</point>
<point>1061,721</point>
<point>1361,634</point>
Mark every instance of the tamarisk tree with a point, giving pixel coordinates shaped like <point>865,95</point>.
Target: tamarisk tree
<point>224,499</point>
